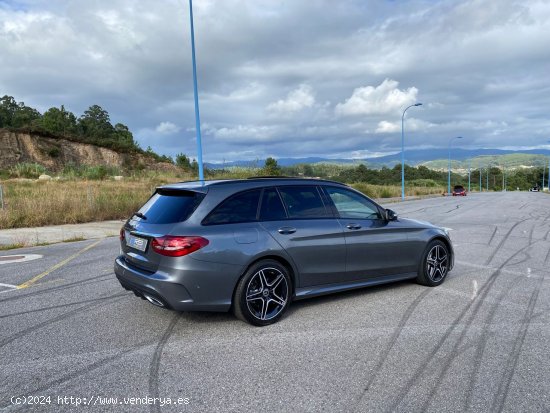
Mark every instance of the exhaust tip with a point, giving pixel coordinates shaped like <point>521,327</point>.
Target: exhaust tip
<point>154,301</point>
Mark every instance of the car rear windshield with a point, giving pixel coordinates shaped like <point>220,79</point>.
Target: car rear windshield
<point>169,206</point>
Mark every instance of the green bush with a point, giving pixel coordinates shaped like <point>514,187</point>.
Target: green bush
<point>429,183</point>
<point>27,170</point>
<point>54,152</point>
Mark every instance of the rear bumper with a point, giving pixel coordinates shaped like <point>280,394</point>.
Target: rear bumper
<point>204,286</point>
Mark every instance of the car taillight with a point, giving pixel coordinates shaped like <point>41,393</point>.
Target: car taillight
<point>122,235</point>
<point>173,246</point>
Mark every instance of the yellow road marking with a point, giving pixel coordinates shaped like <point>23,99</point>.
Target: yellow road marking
<point>30,282</point>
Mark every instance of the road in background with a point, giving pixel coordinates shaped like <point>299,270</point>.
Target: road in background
<point>479,342</point>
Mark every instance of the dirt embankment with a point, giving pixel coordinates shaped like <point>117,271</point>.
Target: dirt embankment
<point>54,154</point>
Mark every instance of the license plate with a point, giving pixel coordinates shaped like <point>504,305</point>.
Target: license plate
<point>136,242</point>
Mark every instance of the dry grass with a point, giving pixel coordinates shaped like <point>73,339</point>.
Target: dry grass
<point>394,191</point>
<point>37,203</point>
<point>34,203</point>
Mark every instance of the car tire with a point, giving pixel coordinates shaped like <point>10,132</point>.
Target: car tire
<point>434,266</point>
<point>263,293</point>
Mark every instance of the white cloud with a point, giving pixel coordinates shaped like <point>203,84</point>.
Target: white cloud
<point>242,133</point>
<point>387,127</point>
<point>379,100</point>
<point>411,125</point>
<point>167,128</point>
<point>296,100</point>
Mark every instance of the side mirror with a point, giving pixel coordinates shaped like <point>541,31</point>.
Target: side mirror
<point>391,215</point>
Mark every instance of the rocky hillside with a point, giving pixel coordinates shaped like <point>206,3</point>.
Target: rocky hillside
<point>55,153</point>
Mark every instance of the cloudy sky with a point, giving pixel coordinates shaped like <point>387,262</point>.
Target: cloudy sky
<point>289,78</point>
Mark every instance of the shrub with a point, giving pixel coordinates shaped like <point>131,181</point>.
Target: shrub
<point>27,170</point>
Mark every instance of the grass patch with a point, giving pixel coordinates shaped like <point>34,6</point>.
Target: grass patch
<point>394,191</point>
<point>12,246</point>
<point>39,203</point>
<point>76,238</point>
<point>74,200</point>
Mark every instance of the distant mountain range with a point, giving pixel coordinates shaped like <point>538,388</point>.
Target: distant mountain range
<point>429,157</point>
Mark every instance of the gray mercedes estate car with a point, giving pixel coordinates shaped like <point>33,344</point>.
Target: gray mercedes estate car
<point>254,245</point>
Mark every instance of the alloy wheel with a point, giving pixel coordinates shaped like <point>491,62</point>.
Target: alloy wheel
<point>437,263</point>
<point>267,293</point>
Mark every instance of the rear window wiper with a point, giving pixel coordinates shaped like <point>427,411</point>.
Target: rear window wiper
<point>139,215</point>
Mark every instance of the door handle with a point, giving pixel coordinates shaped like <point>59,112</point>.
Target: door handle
<point>286,230</point>
<point>353,226</point>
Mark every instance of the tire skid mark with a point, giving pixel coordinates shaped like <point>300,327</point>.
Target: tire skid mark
<point>155,362</point>
<point>448,363</point>
<point>60,317</point>
<point>384,354</point>
<point>531,234</point>
<point>477,302</point>
<point>60,306</point>
<point>493,235</point>
<point>60,287</point>
<point>503,240</point>
<point>501,394</point>
<point>480,348</point>
<point>6,404</point>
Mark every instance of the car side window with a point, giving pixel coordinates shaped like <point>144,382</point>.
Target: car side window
<point>303,202</point>
<point>242,207</point>
<point>272,208</point>
<point>352,205</point>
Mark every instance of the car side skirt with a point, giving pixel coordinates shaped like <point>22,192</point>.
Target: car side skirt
<point>317,290</point>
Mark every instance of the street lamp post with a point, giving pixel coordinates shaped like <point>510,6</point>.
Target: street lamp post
<point>196,93</point>
<point>488,167</point>
<point>543,174</point>
<point>403,150</point>
<point>469,171</point>
<point>480,187</point>
<point>449,179</point>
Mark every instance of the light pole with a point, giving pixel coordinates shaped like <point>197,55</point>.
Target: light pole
<point>488,167</point>
<point>543,175</point>
<point>403,150</point>
<point>449,180</point>
<point>480,187</point>
<point>469,171</point>
<point>196,93</point>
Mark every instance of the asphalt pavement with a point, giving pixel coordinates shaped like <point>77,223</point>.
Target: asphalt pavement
<point>71,339</point>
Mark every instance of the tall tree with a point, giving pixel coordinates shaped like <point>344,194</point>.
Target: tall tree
<point>271,168</point>
<point>123,136</point>
<point>95,124</point>
<point>8,107</point>
<point>59,121</point>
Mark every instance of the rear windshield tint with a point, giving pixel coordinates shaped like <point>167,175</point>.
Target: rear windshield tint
<point>170,206</point>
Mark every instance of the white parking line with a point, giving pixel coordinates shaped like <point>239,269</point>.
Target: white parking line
<point>8,286</point>
<point>10,259</point>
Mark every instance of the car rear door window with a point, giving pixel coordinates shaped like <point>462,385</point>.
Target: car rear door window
<point>242,207</point>
<point>350,204</point>
<point>272,208</point>
<point>303,202</point>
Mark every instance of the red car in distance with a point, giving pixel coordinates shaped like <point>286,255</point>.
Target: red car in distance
<point>459,190</point>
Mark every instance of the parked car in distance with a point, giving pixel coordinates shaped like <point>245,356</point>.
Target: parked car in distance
<point>535,188</point>
<point>255,245</point>
<point>459,190</point>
